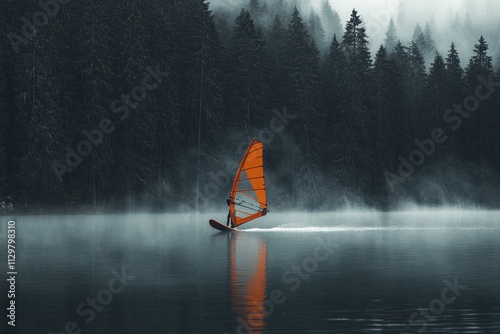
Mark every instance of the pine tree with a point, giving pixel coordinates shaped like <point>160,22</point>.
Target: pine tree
<point>199,81</point>
<point>303,74</point>
<point>388,129</point>
<point>135,141</point>
<point>418,36</point>
<point>400,54</point>
<point>249,58</point>
<point>316,30</point>
<point>401,59</point>
<point>255,7</point>
<point>280,8</point>
<point>8,145</point>
<point>333,73</point>
<point>18,82</point>
<point>256,10</point>
<point>455,87</point>
<point>430,45</point>
<point>436,91</point>
<point>391,38</point>
<point>415,85</point>
<point>97,88</point>
<point>165,106</point>
<point>33,135</point>
<point>355,43</point>
<point>481,129</point>
<point>420,40</point>
<point>223,28</point>
<point>276,40</point>
<point>357,86</point>
<point>334,76</point>
<point>331,20</point>
<point>481,63</point>
<point>399,65</point>
<point>455,82</point>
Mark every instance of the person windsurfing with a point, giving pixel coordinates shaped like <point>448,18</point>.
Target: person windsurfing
<point>229,202</point>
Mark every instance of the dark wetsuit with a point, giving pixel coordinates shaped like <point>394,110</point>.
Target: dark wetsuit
<point>228,202</point>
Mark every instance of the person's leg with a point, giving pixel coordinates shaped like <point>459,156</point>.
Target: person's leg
<point>228,217</point>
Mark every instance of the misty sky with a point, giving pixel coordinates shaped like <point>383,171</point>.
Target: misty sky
<point>483,13</point>
<point>422,10</point>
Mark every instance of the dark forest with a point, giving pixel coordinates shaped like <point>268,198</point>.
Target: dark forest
<point>147,106</point>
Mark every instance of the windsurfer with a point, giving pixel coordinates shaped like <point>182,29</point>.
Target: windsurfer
<point>229,202</point>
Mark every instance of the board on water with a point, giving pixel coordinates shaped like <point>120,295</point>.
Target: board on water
<point>248,199</point>
<point>221,227</point>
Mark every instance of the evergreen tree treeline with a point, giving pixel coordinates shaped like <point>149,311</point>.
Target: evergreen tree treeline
<point>355,117</point>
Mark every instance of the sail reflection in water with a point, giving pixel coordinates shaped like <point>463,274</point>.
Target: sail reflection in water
<point>247,270</point>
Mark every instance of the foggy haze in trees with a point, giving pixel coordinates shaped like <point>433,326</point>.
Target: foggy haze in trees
<point>377,100</point>
<point>457,21</point>
<point>340,117</point>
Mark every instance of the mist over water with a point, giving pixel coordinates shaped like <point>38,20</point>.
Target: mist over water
<point>374,271</point>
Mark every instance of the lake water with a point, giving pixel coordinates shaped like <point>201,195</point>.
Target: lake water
<point>365,272</point>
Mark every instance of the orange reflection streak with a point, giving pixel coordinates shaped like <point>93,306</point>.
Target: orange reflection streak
<point>248,295</point>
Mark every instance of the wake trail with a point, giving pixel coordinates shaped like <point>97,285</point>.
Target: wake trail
<point>307,229</point>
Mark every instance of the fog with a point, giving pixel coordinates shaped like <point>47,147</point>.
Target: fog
<point>485,12</point>
<point>476,18</point>
<point>460,22</point>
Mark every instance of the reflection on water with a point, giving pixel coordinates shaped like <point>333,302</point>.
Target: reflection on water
<point>189,278</point>
<point>248,280</point>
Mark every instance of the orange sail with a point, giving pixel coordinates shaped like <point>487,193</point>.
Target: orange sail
<point>248,195</point>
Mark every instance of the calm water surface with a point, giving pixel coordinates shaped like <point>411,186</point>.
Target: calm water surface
<point>412,272</point>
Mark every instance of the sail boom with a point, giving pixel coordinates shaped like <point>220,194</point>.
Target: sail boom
<point>244,212</point>
<point>252,198</point>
